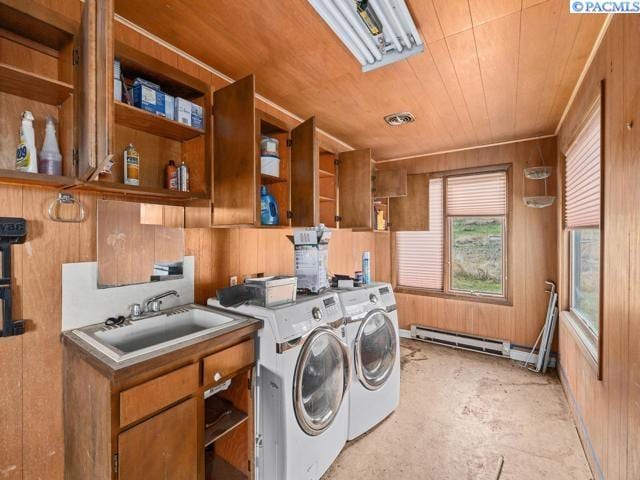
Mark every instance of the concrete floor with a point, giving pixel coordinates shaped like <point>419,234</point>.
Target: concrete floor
<point>460,413</point>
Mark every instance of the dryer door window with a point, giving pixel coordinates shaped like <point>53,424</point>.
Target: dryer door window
<point>321,380</point>
<point>375,350</point>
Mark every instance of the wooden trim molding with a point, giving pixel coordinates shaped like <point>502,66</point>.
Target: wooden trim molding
<point>454,296</point>
<point>587,344</point>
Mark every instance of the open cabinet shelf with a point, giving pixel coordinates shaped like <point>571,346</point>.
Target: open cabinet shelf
<point>22,83</point>
<point>157,139</point>
<point>270,179</point>
<point>228,431</point>
<point>326,174</point>
<point>138,119</point>
<point>221,417</point>
<point>219,469</point>
<point>36,179</point>
<point>139,191</point>
<point>40,73</point>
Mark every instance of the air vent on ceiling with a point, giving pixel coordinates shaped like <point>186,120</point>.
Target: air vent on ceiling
<point>401,118</point>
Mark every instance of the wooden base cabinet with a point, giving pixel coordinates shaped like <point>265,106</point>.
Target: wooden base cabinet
<point>165,446</point>
<point>152,420</point>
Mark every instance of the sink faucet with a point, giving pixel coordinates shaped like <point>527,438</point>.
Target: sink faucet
<point>151,304</point>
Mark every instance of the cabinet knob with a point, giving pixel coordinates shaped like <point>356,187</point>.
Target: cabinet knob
<point>217,376</point>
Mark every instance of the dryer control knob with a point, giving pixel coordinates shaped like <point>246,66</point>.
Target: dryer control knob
<point>373,298</point>
<point>317,313</point>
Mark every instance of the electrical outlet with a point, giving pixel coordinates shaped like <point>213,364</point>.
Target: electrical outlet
<point>233,280</point>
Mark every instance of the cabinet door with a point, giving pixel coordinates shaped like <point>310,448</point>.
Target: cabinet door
<point>86,77</point>
<point>411,212</point>
<point>354,189</point>
<point>234,160</point>
<point>305,201</point>
<point>391,183</point>
<point>165,446</point>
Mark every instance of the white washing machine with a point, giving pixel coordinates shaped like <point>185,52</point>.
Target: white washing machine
<point>302,394</point>
<point>371,319</point>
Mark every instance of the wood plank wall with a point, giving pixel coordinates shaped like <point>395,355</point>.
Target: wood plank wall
<point>608,411</point>
<point>221,253</point>
<point>31,439</point>
<point>533,253</point>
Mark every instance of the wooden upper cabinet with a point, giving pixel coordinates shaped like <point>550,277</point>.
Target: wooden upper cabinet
<point>411,212</point>
<point>234,179</point>
<point>354,189</point>
<point>391,183</point>
<point>165,446</point>
<point>305,206</point>
<point>87,95</point>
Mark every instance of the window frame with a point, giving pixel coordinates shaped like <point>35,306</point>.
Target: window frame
<point>592,344</point>
<point>585,323</point>
<point>506,298</point>
<point>448,286</point>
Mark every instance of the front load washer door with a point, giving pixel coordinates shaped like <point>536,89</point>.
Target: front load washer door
<point>322,377</point>
<point>375,349</point>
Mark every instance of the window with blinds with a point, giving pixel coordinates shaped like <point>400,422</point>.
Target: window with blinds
<point>419,255</point>
<point>477,194</point>
<point>582,206</point>
<point>582,177</point>
<point>476,218</point>
<point>469,223</point>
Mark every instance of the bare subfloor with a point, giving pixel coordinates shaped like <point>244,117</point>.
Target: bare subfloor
<point>460,413</point>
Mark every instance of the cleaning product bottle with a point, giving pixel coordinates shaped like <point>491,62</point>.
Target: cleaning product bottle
<point>366,268</point>
<point>26,157</point>
<point>171,176</point>
<point>50,159</point>
<point>268,208</point>
<point>131,166</point>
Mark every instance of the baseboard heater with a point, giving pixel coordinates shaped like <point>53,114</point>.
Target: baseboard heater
<point>488,346</point>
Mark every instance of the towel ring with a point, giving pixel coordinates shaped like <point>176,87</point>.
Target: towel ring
<point>65,198</point>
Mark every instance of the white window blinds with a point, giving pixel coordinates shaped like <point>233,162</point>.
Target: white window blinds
<point>419,254</point>
<point>582,177</point>
<point>477,194</point>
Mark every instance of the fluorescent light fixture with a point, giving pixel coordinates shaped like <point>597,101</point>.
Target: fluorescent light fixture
<point>376,32</point>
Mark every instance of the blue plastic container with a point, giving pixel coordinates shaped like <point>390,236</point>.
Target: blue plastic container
<point>268,207</point>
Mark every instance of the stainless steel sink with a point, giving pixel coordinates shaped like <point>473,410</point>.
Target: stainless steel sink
<point>165,329</point>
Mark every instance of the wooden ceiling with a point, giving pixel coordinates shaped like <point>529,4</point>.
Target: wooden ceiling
<point>493,70</point>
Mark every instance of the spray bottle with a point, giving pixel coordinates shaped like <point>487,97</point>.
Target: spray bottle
<point>26,157</point>
<point>50,161</point>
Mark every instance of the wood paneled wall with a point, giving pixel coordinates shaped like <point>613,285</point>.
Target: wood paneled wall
<point>533,251</point>
<point>31,436</point>
<point>222,253</point>
<point>608,411</point>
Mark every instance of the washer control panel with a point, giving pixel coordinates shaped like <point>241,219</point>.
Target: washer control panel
<point>331,305</point>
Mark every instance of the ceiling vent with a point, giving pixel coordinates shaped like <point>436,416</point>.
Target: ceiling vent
<point>401,118</point>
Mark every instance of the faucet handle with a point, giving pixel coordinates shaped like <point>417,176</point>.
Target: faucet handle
<point>135,310</point>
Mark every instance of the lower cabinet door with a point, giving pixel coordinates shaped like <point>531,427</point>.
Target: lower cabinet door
<point>163,447</point>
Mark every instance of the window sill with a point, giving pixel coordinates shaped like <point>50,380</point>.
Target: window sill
<point>583,337</point>
<point>449,296</point>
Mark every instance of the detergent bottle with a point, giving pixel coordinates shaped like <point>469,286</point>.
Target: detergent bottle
<point>268,207</point>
